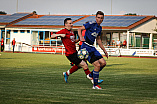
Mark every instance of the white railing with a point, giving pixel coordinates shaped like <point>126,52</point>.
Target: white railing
<point>129,52</point>
<point>23,47</point>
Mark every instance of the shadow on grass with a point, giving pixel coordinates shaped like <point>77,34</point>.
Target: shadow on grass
<point>7,58</point>
<point>114,65</point>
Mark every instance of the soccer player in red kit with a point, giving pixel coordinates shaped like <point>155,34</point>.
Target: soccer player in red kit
<point>2,44</point>
<point>13,44</point>
<point>68,39</point>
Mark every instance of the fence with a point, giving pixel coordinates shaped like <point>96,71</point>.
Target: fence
<point>129,52</point>
<point>23,47</point>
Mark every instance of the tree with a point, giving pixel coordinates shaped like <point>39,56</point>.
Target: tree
<point>2,12</point>
<point>155,29</point>
<point>34,12</point>
<point>131,14</point>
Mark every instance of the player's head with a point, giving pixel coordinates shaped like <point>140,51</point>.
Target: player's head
<point>99,17</point>
<point>68,23</point>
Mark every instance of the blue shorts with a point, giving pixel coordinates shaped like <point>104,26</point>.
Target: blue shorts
<point>94,55</point>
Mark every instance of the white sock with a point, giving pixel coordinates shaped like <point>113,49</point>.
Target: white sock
<point>68,72</point>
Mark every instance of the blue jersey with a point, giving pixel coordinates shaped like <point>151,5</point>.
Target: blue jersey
<point>92,31</point>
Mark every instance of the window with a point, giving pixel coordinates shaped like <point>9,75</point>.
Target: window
<point>22,31</point>
<point>47,36</point>
<point>28,31</point>
<point>41,37</point>
<point>15,31</point>
<point>8,37</point>
<point>35,38</point>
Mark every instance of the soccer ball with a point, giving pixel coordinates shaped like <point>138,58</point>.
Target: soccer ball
<point>82,54</point>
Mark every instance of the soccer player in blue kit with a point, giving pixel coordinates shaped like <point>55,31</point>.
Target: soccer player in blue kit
<point>93,31</point>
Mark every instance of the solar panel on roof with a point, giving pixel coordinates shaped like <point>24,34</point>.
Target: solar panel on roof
<point>119,21</point>
<point>10,18</point>
<point>48,20</point>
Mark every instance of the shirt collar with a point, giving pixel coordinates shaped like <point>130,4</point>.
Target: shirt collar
<point>67,29</point>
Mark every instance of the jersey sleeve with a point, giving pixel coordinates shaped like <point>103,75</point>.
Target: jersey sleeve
<point>60,32</point>
<point>87,25</point>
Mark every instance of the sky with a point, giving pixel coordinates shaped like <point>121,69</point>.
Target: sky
<point>80,7</point>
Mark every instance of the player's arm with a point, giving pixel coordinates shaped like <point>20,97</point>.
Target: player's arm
<point>101,45</point>
<point>80,33</point>
<point>56,35</point>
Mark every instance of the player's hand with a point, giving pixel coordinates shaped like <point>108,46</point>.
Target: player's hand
<point>106,54</point>
<point>82,39</point>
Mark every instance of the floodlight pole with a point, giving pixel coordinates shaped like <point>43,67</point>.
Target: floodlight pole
<point>17,7</point>
<point>111,7</point>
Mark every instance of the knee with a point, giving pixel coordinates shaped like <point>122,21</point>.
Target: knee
<point>97,65</point>
<point>83,65</point>
<point>103,64</point>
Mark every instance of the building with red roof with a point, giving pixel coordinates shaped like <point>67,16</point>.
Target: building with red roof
<point>32,32</point>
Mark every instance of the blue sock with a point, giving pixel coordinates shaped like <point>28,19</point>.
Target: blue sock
<point>91,74</point>
<point>95,77</point>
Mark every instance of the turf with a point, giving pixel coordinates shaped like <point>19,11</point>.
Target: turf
<point>27,78</point>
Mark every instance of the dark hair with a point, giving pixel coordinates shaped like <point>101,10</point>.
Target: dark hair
<point>65,21</point>
<point>87,22</point>
<point>100,13</point>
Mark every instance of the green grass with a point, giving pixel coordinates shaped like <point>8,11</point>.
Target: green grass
<point>27,78</point>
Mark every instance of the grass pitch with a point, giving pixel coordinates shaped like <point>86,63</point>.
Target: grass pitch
<point>27,78</point>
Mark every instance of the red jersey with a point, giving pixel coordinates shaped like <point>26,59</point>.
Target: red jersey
<point>13,42</point>
<point>68,41</point>
<point>2,42</point>
<point>124,43</point>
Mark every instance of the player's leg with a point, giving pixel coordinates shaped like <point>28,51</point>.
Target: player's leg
<point>96,65</point>
<point>85,67</point>
<point>2,48</point>
<point>96,56</point>
<point>70,71</point>
<point>91,59</point>
<point>73,58</point>
<point>13,48</point>
<point>83,63</point>
<point>102,63</point>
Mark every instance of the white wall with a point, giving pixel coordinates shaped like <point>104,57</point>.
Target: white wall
<point>146,27</point>
<point>21,37</point>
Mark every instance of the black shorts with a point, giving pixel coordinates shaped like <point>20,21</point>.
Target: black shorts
<point>74,59</point>
<point>95,58</point>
